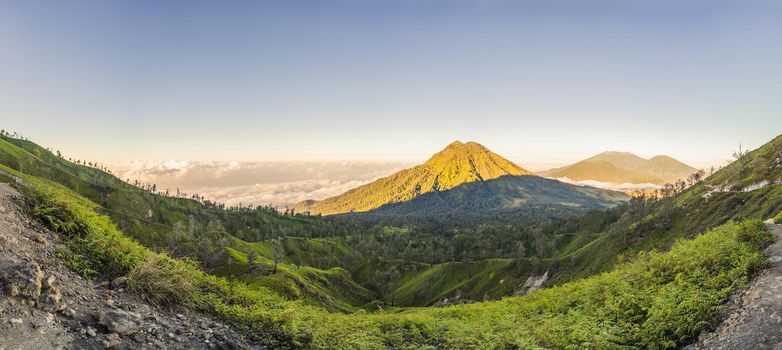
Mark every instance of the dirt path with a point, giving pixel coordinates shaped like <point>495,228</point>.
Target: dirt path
<point>45,305</point>
<point>754,316</point>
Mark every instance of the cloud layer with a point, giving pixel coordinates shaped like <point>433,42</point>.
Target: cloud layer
<point>625,187</point>
<point>277,183</point>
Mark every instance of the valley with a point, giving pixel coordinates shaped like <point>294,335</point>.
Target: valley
<point>390,175</point>
<point>473,252</point>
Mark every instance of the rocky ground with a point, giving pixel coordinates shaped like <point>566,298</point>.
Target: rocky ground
<point>45,305</point>
<point>753,318</point>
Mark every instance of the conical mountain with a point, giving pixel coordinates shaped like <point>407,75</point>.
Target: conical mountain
<point>624,167</point>
<point>457,164</point>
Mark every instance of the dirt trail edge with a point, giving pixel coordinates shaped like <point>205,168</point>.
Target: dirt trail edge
<point>754,315</point>
<point>45,305</point>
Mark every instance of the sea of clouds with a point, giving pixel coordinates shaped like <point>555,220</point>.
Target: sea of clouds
<point>624,187</point>
<point>279,184</point>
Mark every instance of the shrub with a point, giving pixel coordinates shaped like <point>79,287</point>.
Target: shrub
<point>163,281</point>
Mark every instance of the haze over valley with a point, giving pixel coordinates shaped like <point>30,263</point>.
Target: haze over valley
<point>279,183</point>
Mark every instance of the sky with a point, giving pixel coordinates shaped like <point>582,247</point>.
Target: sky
<point>539,82</point>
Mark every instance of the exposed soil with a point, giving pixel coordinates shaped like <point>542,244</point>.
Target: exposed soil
<point>46,305</point>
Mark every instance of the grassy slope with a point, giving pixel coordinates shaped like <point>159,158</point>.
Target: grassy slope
<point>669,220</point>
<point>333,289</point>
<point>689,213</point>
<point>661,300</point>
<point>147,217</point>
<point>130,208</point>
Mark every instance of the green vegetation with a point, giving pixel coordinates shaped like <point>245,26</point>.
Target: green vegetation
<point>507,196</point>
<point>333,289</point>
<point>151,218</point>
<point>660,300</point>
<point>457,164</point>
<point>290,281</point>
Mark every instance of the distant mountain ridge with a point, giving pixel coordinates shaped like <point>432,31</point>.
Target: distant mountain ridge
<point>624,167</point>
<point>457,164</point>
<point>462,178</point>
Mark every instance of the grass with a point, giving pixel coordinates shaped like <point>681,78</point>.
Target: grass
<point>162,281</point>
<point>333,289</point>
<point>659,300</point>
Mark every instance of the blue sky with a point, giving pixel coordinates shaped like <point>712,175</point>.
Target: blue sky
<point>537,81</point>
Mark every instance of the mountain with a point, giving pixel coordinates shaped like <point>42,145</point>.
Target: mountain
<point>624,167</point>
<point>457,164</point>
<point>704,243</point>
<point>509,194</point>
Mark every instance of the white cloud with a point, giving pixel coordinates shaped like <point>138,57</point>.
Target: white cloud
<point>626,187</point>
<point>260,183</point>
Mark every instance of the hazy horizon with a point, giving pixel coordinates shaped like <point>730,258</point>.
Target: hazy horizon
<point>285,183</point>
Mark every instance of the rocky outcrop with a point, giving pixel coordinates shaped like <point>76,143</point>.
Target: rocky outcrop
<point>121,322</point>
<point>25,280</point>
<point>532,283</point>
<point>45,305</point>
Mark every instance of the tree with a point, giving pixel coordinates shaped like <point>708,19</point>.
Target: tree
<point>392,276</point>
<point>521,251</point>
<point>251,256</point>
<point>740,153</point>
<point>279,250</point>
<point>540,242</point>
<point>176,235</point>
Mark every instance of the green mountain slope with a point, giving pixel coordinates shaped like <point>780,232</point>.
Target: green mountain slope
<point>507,193</point>
<point>623,167</point>
<point>748,188</point>
<point>457,164</point>
<point>150,217</point>
<point>187,228</point>
<point>661,300</point>
<point>653,301</point>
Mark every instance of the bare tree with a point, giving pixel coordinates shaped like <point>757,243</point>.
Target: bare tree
<point>279,250</point>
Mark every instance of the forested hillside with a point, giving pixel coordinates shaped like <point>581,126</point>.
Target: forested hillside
<point>355,280</point>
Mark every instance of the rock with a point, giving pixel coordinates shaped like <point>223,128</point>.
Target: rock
<point>7,241</point>
<point>90,332</point>
<point>769,221</point>
<point>119,282</point>
<point>69,313</point>
<point>775,259</point>
<point>16,321</point>
<point>38,238</point>
<point>21,278</point>
<point>121,322</point>
<point>51,300</point>
<point>112,340</point>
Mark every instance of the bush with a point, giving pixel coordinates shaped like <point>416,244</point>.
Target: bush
<point>163,281</point>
